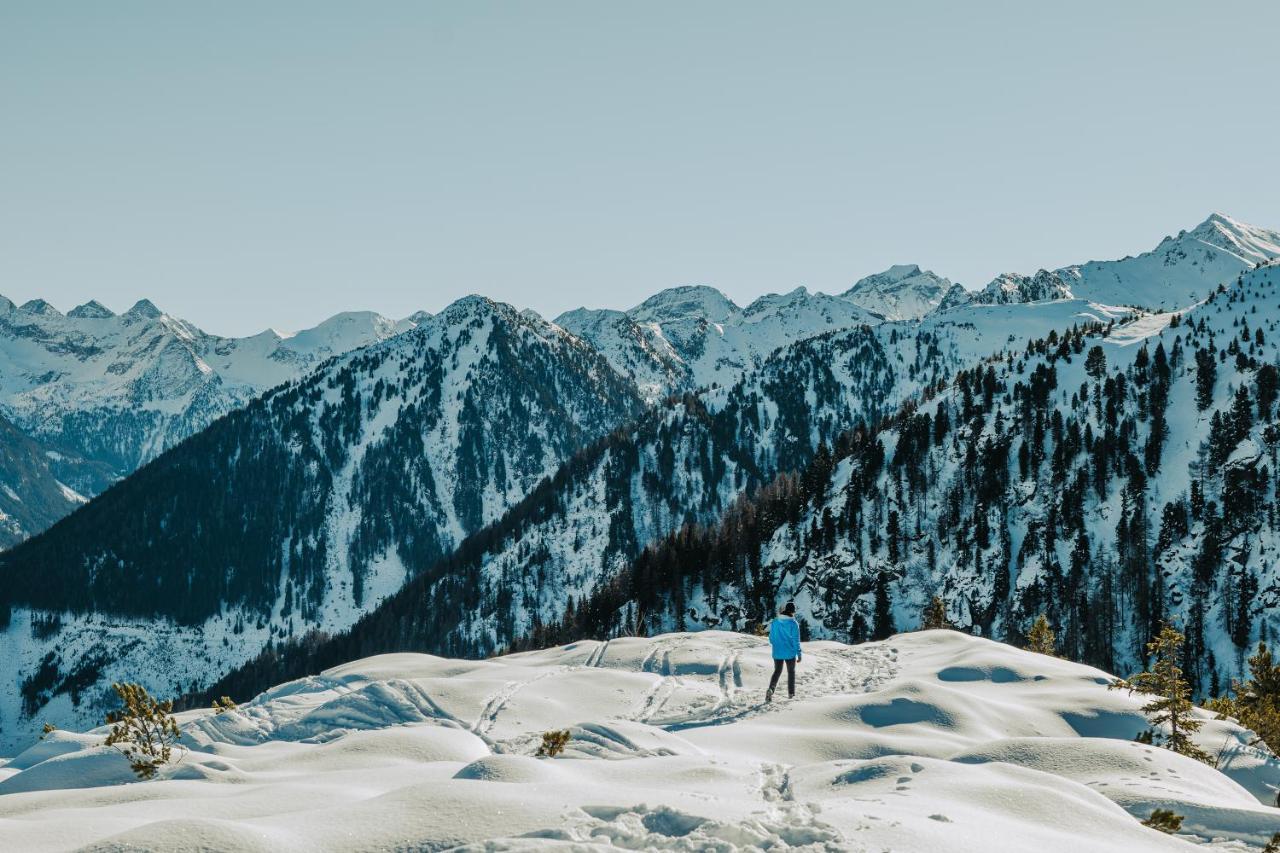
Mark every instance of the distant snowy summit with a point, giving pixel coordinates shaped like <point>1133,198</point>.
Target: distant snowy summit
<point>1181,271</point>
<point>902,292</point>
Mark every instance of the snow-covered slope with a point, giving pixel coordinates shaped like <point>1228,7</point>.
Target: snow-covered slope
<point>923,743</point>
<point>902,292</point>
<point>692,337</point>
<point>1180,271</point>
<point>119,389</point>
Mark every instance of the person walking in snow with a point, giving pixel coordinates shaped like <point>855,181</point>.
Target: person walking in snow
<point>784,637</point>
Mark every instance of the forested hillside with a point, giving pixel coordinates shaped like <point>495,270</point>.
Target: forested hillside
<point>683,464</point>
<point>1110,481</point>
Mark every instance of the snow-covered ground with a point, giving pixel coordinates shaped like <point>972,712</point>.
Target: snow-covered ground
<point>930,741</point>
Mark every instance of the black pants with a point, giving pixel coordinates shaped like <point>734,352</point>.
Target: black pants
<point>791,675</point>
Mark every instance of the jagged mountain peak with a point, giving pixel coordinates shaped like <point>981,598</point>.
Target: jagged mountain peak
<point>1248,242</point>
<point>902,292</point>
<point>695,301</point>
<point>594,316</point>
<point>1010,288</point>
<point>93,309</point>
<point>472,308</point>
<point>1181,270</point>
<point>956,296</point>
<point>770,301</point>
<point>41,307</point>
<point>473,304</point>
<point>144,308</point>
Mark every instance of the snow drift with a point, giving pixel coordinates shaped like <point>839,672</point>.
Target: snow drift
<point>928,741</point>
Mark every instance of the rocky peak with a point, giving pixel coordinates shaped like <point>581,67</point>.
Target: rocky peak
<point>41,307</point>
<point>93,309</point>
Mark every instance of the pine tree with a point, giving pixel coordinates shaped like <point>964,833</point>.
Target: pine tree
<point>1095,363</point>
<point>1268,384</point>
<point>883,628</point>
<point>1040,638</point>
<point>1171,703</point>
<point>1241,416</point>
<point>144,730</point>
<point>1206,375</point>
<point>935,615</point>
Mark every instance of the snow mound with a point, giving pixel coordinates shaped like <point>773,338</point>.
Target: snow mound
<point>932,741</point>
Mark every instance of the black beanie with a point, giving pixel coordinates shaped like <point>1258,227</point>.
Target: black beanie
<point>789,609</point>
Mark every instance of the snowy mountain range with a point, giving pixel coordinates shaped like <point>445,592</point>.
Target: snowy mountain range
<point>474,481</point>
<point>686,338</point>
<point>113,391</point>
<point>694,337</point>
<point>455,425</point>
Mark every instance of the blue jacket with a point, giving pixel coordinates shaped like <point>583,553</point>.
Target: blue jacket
<point>784,636</point>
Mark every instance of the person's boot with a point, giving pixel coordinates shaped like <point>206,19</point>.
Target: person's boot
<point>768,695</point>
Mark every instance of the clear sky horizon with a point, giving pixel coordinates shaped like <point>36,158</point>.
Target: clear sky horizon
<point>246,165</point>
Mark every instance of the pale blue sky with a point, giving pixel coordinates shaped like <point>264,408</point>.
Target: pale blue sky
<point>255,164</point>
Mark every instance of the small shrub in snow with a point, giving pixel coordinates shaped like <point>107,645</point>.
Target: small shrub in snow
<point>935,615</point>
<point>144,730</point>
<point>1273,846</point>
<point>223,705</point>
<point>48,729</point>
<point>1040,638</point>
<point>553,743</point>
<point>1171,695</point>
<point>1164,820</point>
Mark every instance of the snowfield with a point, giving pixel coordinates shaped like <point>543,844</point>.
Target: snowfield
<point>928,741</point>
